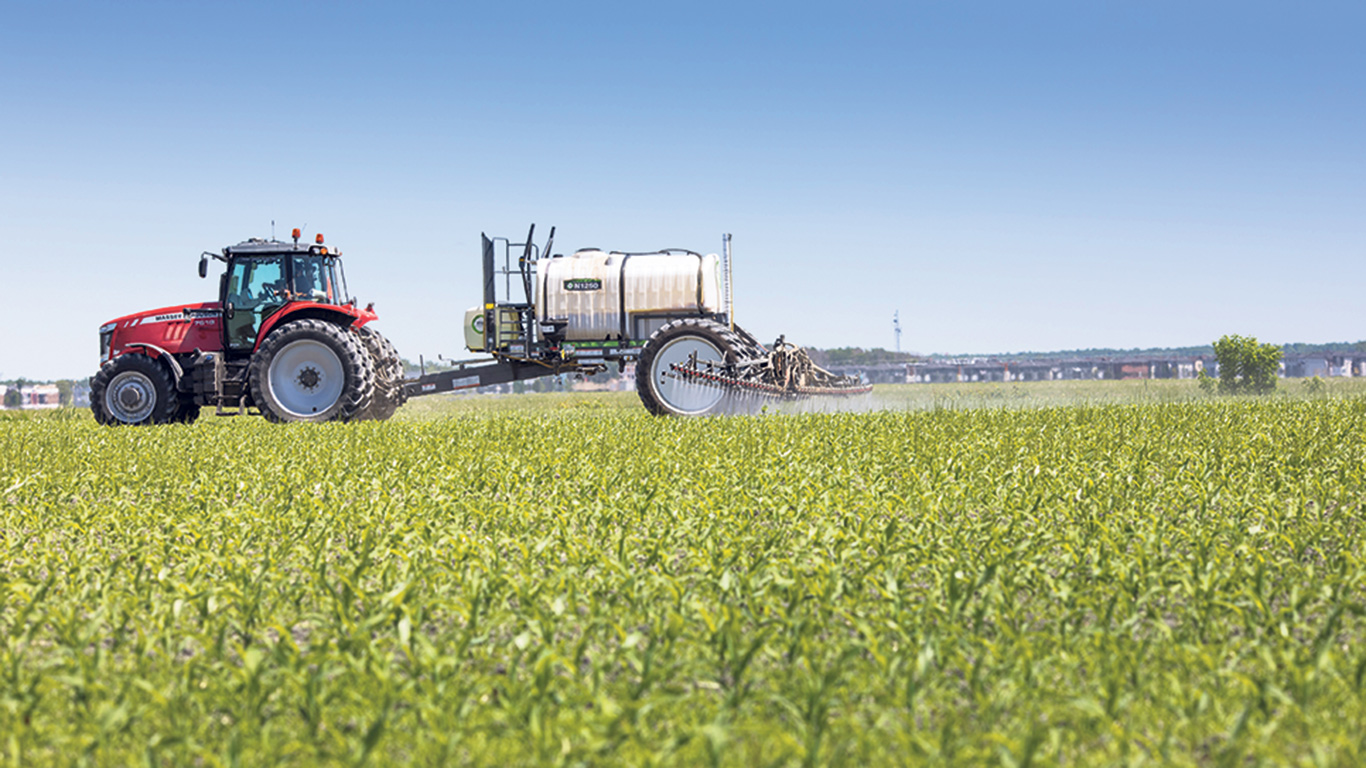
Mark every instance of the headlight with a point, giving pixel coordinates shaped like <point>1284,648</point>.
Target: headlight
<point>106,336</point>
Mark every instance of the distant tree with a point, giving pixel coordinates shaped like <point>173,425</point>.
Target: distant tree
<point>13,396</point>
<point>1246,365</point>
<point>1208,384</point>
<point>64,390</point>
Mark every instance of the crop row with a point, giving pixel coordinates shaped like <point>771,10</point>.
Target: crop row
<point>1153,584</point>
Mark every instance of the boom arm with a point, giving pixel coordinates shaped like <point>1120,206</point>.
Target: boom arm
<point>483,373</point>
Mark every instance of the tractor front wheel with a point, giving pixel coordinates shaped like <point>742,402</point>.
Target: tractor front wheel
<point>312,370</point>
<point>133,389</point>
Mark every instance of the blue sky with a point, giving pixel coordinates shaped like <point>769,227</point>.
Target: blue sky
<point>1009,176</point>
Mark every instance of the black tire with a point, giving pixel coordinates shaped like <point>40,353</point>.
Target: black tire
<point>311,370</point>
<point>187,411</point>
<point>652,386</point>
<point>133,389</point>
<point>388,366</point>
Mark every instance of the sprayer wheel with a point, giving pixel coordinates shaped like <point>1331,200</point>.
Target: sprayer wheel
<point>675,344</point>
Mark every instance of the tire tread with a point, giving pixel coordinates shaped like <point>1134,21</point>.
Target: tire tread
<point>359,389</point>
<point>163,412</point>
<point>731,344</point>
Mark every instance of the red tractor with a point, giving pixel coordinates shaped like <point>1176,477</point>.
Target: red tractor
<point>283,338</point>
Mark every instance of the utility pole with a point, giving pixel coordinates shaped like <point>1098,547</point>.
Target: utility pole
<point>896,328</point>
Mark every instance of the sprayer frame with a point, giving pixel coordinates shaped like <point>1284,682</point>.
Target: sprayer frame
<point>526,349</point>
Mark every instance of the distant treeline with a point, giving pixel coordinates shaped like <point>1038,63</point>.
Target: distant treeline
<point>860,356</point>
<point>1207,350</point>
<point>879,356</point>
<point>1339,347</point>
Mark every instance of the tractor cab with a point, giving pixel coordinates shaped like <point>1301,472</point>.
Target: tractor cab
<point>264,277</point>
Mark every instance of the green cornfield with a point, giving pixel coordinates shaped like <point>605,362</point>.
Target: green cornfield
<point>1150,583</point>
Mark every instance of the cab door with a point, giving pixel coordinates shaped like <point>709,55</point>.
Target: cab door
<point>255,290</point>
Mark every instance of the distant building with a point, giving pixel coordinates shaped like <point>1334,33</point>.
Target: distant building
<point>882,373</point>
<point>35,396</point>
<point>1298,366</point>
<point>41,396</point>
<point>980,369</point>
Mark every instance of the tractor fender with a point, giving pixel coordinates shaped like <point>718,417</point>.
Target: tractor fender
<point>155,352</point>
<point>329,313</point>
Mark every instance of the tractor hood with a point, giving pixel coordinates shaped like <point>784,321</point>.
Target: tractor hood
<point>178,329</point>
<point>165,314</point>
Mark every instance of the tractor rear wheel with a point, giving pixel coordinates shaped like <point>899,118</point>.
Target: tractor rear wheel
<point>388,367</point>
<point>133,389</point>
<point>311,370</point>
<point>665,394</point>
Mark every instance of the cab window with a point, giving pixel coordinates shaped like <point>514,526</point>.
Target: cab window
<point>314,279</point>
<point>256,288</point>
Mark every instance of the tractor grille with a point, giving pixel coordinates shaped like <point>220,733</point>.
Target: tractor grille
<point>105,338</point>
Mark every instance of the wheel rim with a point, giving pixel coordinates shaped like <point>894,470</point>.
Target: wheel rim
<point>130,397</point>
<point>305,378</point>
<point>685,397</point>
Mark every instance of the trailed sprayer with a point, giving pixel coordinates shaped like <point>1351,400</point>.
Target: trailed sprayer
<point>668,311</point>
<point>285,340</point>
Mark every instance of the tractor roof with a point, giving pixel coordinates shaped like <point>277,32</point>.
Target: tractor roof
<point>259,247</point>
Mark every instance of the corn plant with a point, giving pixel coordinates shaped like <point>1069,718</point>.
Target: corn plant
<point>1162,583</point>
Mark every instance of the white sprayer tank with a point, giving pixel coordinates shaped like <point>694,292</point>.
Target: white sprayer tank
<point>618,295</point>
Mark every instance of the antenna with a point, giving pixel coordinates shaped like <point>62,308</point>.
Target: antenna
<point>896,329</point>
<point>272,229</point>
<point>727,289</point>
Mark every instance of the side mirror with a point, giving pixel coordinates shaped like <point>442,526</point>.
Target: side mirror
<point>203,266</point>
<point>229,311</point>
